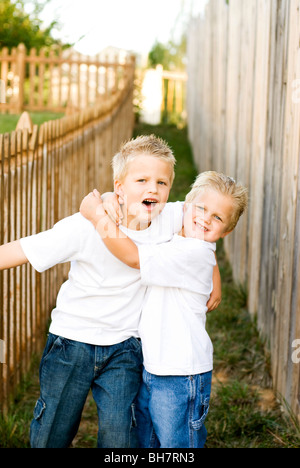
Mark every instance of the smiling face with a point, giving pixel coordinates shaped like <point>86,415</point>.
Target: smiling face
<point>144,190</point>
<point>208,216</point>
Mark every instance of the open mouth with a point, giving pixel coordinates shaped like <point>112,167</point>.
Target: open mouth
<point>149,203</point>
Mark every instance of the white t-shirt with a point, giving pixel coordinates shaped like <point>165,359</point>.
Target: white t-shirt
<point>172,327</point>
<point>101,301</point>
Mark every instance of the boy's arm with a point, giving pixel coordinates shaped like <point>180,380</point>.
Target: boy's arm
<point>115,240</point>
<point>216,294</point>
<point>124,248</point>
<point>12,255</point>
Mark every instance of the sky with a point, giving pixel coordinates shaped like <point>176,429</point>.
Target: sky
<point>128,24</point>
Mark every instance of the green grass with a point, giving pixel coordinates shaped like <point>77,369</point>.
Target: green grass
<point>8,122</point>
<point>244,412</point>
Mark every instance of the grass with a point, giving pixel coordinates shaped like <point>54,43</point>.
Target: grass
<point>8,122</point>
<point>244,412</point>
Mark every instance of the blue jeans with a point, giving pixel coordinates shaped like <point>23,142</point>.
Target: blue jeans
<point>67,372</point>
<point>171,410</point>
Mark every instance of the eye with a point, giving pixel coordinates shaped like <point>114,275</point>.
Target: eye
<point>161,182</point>
<point>218,218</point>
<point>141,180</point>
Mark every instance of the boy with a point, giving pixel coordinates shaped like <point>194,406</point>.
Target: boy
<point>93,340</point>
<point>174,396</point>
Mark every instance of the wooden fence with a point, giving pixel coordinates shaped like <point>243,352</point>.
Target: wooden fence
<point>244,119</point>
<point>162,96</point>
<point>174,96</point>
<point>56,79</point>
<point>44,173</point>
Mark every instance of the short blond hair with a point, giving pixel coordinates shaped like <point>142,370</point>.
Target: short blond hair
<point>143,145</point>
<point>226,185</point>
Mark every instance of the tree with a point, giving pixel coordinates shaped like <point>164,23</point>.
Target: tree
<point>17,26</point>
<point>159,55</point>
<point>171,56</point>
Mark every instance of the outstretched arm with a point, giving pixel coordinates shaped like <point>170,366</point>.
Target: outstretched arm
<point>115,240</point>
<point>12,255</point>
<point>124,248</point>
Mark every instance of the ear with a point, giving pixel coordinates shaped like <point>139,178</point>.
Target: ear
<point>225,234</point>
<point>118,188</point>
<point>186,206</point>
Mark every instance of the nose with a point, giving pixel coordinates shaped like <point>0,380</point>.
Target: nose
<point>205,217</point>
<point>152,187</point>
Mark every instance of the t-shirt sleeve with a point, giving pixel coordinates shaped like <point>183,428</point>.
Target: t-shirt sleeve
<point>57,245</point>
<point>173,212</point>
<point>186,265</point>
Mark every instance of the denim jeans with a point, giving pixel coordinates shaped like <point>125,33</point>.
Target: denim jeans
<point>171,410</point>
<point>67,372</point>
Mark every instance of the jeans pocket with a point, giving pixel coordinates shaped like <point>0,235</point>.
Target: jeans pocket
<point>133,417</point>
<point>39,409</point>
<point>50,345</point>
<point>198,423</point>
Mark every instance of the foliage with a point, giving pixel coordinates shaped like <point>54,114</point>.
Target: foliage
<point>171,55</point>
<point>17,26</point>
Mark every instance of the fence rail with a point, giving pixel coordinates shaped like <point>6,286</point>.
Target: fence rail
<point>244,119</point>
<point>44,173</point>
<point>56,79</point>
<point>174,96</point>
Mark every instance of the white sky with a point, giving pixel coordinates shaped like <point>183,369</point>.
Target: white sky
<point>128,24</point>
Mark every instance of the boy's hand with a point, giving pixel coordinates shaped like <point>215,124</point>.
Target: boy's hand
<point>91,207</point>
<point>112,207</point>
<point>214,302</point>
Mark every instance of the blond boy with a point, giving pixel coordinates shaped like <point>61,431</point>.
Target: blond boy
<point>174,396</point>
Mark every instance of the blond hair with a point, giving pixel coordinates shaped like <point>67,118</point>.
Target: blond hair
<point>226,185</point>
<point>143,145</point>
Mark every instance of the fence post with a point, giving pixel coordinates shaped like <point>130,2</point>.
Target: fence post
<point>25,122</point>
<point>21,55</point>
